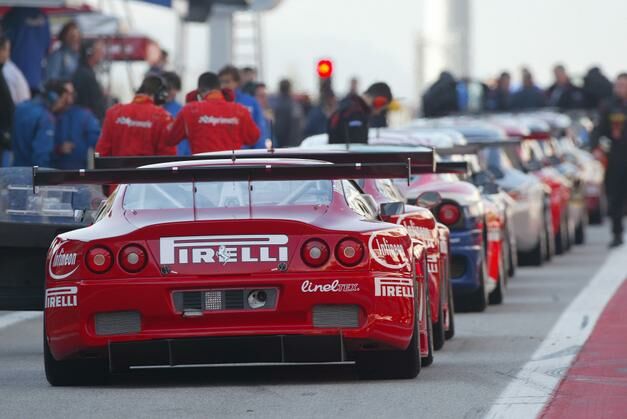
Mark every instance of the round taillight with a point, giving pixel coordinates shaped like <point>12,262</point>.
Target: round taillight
<point>99,259</point>
<point>132,258</point>
<point>315,253</point>
<point>449,214</point>
<point>349,252</point>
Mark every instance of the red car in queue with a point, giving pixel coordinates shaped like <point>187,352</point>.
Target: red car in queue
<point>221,261</point>
<point>418,220</point>
<point>535,161</point>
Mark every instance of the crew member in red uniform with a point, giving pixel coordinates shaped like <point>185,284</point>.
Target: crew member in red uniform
<point>213,123</point>
<point>138,128</point>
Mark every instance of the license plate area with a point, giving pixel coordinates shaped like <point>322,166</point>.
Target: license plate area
<point>233,299</point>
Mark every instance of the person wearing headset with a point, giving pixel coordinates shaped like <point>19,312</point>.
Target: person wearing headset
<point>138,128</point>
<point>34,124</point>
<point>89,92</point>
<point>351,121</point>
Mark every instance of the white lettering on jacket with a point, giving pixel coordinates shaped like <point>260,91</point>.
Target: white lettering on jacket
<point>217,120</point>
<point>123,120</point>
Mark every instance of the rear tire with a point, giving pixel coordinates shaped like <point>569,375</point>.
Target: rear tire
<point>451,314</point>
<point>561,238</point>
<point>428,360</point>
<point>74,372</point>
<point>438,329</point>
<point>477,300</point>
<point>404,364</point>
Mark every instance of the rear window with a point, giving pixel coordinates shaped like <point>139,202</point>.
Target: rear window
<point>227,194</point>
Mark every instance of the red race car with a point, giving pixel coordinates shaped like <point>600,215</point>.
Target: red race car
<point>220,262</point>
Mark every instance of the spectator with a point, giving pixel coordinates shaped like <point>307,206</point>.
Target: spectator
<point>596,88</point>
<point>76,132</point>
<point>499,98</point>
<point>230,79</point>
<point>441,98</point>
<point>529,96</point>
<point>7,106</point>
<point>89,93</point>
<point>562,93</point>
<point>288,117</point>
<point>350,122</point>
<point>261,94</point>
<point>63,61</point>
<point>612,125</point>
<point>34,124</point>
<point>29,32</point>
<point>249,80</point>
<point>18,86</point>
<point>212,123</point>
<point>173,81</point>
<point>318,117</point>
<point>138,128</point>
<point>353,89</point>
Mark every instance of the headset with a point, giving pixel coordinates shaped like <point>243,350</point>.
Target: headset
<point>161,95</point>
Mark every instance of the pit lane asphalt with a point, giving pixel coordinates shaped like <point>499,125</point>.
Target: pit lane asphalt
<point>465,379</point>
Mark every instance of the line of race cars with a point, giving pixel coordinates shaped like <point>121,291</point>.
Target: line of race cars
<point>355,253</point>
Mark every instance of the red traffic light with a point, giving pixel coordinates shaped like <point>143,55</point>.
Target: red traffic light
<point>325,69</point>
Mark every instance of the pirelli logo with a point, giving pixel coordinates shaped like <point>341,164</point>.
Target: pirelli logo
<point>393,287</point>
<point>223,249</point>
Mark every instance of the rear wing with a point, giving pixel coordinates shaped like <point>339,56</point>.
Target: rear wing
<point>418,158</point>
<point>393,165</point>
<point>457,167</point>
<point>475,147</point>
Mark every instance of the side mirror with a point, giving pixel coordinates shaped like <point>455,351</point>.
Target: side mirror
<point>429,199</point>
<point>389,209</point>
<point>482,178</point>
<point>490,188</point>
<point>79,215</point>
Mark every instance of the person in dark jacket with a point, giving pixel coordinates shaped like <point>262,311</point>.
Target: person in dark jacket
<point>89,93</point>
<point>288,117</point>
<point>596,88</point>
<point>63,62</point>
<point>351,121</point>
<point>34,125</point>
<point>563,94</point>
<point>500,97</point>
<point>613,126</point>
<point>318,117</point>
<point>441,98</point>
<point>529,96</point>
<point>7,107</point>
<point>76,132</point>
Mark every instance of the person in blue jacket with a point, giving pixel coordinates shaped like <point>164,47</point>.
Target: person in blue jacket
<point>173,107</point>
<point>34,124</point>
<point>76,131</point>
<point>29,31</point>
<point>230,79</point>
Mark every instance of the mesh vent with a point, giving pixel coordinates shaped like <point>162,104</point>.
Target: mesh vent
<point>336,316</point>
<point>458,266</point>
<point>234,300</point>
<point>192,300</point>
<point>118,323</point>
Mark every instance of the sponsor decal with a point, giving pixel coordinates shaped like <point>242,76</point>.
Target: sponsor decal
<point>123,120</point>
<point>217,120</point>
<point>387,253</point>
<point>61,261</point>
<point>60,297</point>
<point>335,286</point>
<point>494,234</point>
<point>432,263</point>
<point>418,232</point>
<point>223,249</point>
<point>443,247</point>
<point>393,287</point>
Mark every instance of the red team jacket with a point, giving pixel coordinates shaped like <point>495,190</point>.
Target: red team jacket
<point>213,124</point>
<point>135,129</point>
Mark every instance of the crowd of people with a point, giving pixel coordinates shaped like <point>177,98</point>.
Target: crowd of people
<point>449,95</point>
<point>54,115</point>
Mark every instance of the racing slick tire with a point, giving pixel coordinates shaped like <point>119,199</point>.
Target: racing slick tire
<point>438,330</point>
<point>405,364</point>
<point>451,314</point>
<point>511,259</point>
<point>561,238</point>
<point>549,237</point>
<point>428,360</point>
<point>477,301</point>
<point>80,372</point>
<point>580,233</point>
<point>496,296</point>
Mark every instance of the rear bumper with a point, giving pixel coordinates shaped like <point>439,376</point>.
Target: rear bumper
<point>466,254</point>
<point>148,307</point>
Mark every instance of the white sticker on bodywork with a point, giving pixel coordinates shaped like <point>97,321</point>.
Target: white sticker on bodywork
<point>61,297</point>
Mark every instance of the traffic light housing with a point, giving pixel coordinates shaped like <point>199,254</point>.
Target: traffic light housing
<point>325,69</point>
